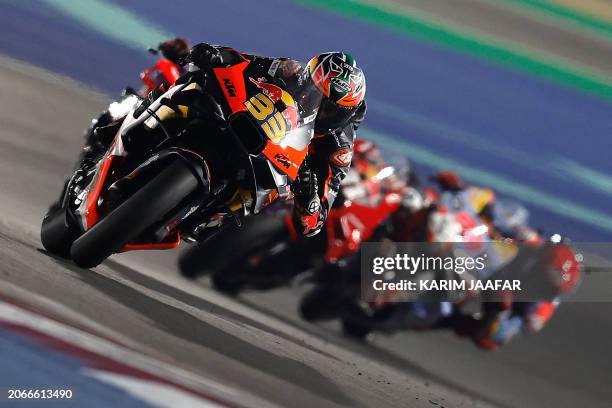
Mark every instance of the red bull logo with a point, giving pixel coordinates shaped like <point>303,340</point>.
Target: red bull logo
<point>276,93</point>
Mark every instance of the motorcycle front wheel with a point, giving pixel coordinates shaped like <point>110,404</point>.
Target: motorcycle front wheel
<point>57,234</point>
<point>130,219</point>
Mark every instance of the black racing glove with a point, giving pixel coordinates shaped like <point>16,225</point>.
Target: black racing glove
<point>305,190</point>
<point>205,55</point>
<point>308,214</point>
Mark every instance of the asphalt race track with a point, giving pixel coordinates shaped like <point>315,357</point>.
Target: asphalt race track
<point>256,344</point>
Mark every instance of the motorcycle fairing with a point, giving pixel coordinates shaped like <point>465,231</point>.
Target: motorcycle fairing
<point>286,142</point>
<point>88,209</point>
<point>231,81</point>
<point>274,111</point>
<point>354,223</point>
<point>163,71</point>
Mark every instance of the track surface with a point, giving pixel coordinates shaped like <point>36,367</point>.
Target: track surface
<point>567,365</point>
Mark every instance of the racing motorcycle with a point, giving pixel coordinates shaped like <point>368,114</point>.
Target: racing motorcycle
<point>342,293</point>
<point>267,252</point>
<point>216,147</point>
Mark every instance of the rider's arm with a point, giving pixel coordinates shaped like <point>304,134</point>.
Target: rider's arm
<point>359,115</point>
<point>206,55</point>
<point>328,160</point>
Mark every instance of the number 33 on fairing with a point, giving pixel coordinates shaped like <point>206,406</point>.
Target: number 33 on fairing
<point>271,120</point>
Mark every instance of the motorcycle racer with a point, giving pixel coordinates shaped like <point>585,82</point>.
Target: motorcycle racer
<point>342,85</point>
<point>233,136</point>
<point>505,220</point>
<point>502,323</point>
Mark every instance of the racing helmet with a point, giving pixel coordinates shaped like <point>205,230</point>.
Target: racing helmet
<point>175,50</point>
<point>367,159</point>
<point>556,272</point>
<point>563,267</point>
<point>342,83</point>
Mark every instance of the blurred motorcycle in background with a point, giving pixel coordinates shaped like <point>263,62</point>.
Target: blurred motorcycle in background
<point>454,221</point>
<point>267,252</point>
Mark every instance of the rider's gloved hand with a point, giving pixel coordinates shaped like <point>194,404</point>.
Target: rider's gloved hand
<point>204,55</point>
<point>308,213</point>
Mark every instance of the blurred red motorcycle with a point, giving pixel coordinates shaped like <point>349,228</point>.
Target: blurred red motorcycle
<point>163,73</point>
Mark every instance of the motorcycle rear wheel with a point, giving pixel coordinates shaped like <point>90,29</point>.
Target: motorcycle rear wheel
<point>130,219</point>
<point>356,323</point>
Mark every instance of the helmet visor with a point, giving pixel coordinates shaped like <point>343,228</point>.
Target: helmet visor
<point>332,116</point>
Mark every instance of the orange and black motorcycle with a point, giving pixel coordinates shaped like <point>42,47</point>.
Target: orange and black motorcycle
<point>223,143</point>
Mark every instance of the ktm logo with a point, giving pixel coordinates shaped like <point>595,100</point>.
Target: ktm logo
<point>283,160</point>
<point>229,87</point>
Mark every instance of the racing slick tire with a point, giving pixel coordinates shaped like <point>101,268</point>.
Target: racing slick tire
<point>224,251</point>
<point>130,219</point>
<point>322,304</point>
<point>201,258</point>
<point>356,330</point>
<point>230,284</point>
<point>56,233</point>
<point>356,324</point>
<point>260,233</point>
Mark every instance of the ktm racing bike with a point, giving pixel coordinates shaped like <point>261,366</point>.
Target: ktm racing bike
<point>221,144</point>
